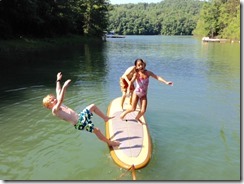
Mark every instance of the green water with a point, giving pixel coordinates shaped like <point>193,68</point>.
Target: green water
<point>194,125</point>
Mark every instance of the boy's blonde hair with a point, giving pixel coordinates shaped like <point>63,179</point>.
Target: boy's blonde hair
<point>46,100</point>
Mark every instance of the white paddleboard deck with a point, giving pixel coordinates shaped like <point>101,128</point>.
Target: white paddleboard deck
<point>135,148</point>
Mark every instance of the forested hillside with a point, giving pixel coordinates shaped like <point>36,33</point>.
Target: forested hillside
<point>50,18</point>
<point>169,17</point>
<point>213,18</point>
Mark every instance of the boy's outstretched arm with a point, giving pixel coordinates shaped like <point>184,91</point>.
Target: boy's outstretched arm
<point>60,96</point>
<point>58,84</point>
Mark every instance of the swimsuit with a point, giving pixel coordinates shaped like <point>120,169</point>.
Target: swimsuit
<point>141,87</point>
<point>84,121</point>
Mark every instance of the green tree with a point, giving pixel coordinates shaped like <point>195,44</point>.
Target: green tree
<point>207,22</point>
<point>95,17</point>
<point>45,18</point>
<point>219,18</point>
<point>229,20</point>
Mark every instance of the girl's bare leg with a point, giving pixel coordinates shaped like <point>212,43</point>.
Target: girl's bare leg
<point>132,108</point>
<point>123,99</point>
<point>122,115</point>
<point>100,136</point>
<point>131,94</point>
<point>143,108</point>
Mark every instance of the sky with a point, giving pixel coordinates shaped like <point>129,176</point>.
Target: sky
<point>133,1</point>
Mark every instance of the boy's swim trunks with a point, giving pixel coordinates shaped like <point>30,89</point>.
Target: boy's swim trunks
<point>84,121</point>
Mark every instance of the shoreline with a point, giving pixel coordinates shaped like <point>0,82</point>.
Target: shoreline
<point>25,44</point>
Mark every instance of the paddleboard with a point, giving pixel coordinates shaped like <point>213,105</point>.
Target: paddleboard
<point>136,148</point>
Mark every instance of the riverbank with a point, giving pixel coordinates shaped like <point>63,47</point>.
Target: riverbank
<point>31,44</point>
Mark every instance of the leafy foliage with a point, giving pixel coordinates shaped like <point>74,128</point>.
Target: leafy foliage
<point>219,18</point>
<point>169,17</point>
<point>50,18</point>
<point>213,18</point>
<point>41,18</point>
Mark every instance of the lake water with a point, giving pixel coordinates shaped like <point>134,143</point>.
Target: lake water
<point>194,125</point>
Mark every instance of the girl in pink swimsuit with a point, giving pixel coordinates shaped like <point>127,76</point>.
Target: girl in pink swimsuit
<point>141,78</point>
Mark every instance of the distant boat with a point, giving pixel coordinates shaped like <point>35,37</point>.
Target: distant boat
<point>111,34</point>
<point>207,39</point>
<point>114,36</point>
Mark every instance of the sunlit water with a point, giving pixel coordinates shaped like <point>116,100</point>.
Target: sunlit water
<point>194,125</point>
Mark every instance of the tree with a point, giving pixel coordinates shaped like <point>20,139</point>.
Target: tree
<point>45,18</point>
<point>219,18</point>
<point>230,19</point>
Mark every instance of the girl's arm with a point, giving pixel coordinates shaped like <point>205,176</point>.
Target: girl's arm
<point>161,79</point>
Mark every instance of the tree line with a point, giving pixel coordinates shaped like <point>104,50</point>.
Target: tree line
<point>169,17</point>
<point>50,18</point>
<point>178,17</point>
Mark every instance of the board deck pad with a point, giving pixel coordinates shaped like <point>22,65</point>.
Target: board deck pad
<point>129,133</point>
<point>134,138</point>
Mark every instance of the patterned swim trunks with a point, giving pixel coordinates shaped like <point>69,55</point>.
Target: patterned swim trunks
<point>84,121</point>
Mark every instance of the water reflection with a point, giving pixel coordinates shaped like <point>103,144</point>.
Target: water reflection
<point>19,71</point>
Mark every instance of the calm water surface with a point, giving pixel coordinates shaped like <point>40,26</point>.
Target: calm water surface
<point>194,125</point>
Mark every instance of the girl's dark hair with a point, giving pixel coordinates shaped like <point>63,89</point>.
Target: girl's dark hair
<point>139,59</point>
